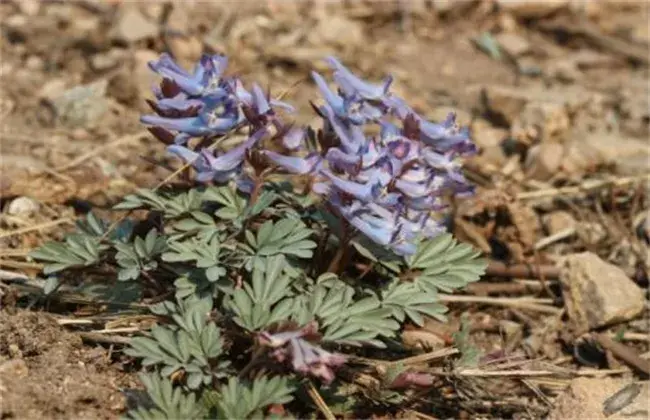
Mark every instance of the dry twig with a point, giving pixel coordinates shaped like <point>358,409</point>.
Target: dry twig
<point>538,305</point>
<point>42,226</point>
<point>624,353</point>
<point>320,403</point>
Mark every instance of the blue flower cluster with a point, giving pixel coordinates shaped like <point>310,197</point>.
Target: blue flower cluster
<point>206,104</point>
<point>388,183</point>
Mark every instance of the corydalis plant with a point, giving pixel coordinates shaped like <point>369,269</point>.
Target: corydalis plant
<point>255,311</point>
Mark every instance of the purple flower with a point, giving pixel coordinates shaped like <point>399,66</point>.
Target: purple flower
<point>217,168</point>
<point>305,357</point>
<point>351,84</point>
<point>293,138</point>
<point>386,169</point>
<point>294,164</point>
<point>204,103</point>
<point>386,186</point>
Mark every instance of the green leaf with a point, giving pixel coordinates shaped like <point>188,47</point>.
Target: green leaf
<point>444,264</point>
<point>169,403</point>
<point>51,284</point>
<point>77,250</point>
<point>170,205</point>
<point>470,354</point>
<point>241,400</point>
<point>407,299</point>
<point>288,236</point>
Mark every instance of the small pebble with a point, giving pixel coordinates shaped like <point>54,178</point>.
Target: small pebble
<point>23,206</point>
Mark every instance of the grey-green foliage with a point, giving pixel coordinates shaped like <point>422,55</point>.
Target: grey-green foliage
<point>266,299</point>
<point>139,256</point>
<point>442,263</point>
<point>170,403</point>
<point>239,400</point>
<point>249,262</point>
<point>236,208</point>
<point>78,250</point>
<point>288,236</point>
<point>345,316</point>
<point>193,343</point>
<point>170,205</point>
<point>407,299</point>
<point>233,400</point>
<point>470,354</point>
<point>82,248</point>
<point>201,252</point>
<point>199,225</point>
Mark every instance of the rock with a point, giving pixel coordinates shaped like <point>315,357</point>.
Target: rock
<point>123,88</point>
<point>531,9</point>
<point>578,159</point>
<point>15,21</point>
<point>506,102</point>
<point>565,71</point>
<point>87,24</point>
<point>543,161</point>
<point>132,26</point>
<point>485,135</point>
<point>512,332</point>
<point>15,368</point>
<point>558,221</point>
<point>336,30</point>
<point>52,89</point>
<point>588,59</point>
<point>629,155</point>
<point>178,20</point>
<point>544,121</point>
<point>23,206</point>
<point>81,106</point>
<point>185,49</point>
<point>544,339</point>
<point>489,140</point>
<point>591,233</point>
<point>602,398</point>
<point>29,7</point>
<point>422,340</point>
<point>108,60</point>
<point>597,293</point>
<point>34,63</point>
<point>513,44</point>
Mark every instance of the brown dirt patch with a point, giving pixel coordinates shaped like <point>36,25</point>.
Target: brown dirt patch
<point>46,372</point>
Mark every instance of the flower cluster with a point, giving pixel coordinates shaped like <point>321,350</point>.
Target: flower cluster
<point>207,105</point>
<point>390,184</point>
<point>305,357</point>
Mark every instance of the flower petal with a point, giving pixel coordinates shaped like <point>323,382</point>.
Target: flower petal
<point>381,235</point>
<point>351,84</point>
<point>235,156</point>
<point>194,126</point>
<point>363,192</point>
<point>294,164</point>
<point>333,100</point>
<point>351,136</point>
<point>343,161</point>
<point>259,100</point>
<point>294,138</point>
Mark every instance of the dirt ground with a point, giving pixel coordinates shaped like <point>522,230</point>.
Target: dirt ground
<point>555,93</point>
<point>47,372</point>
